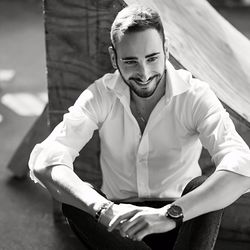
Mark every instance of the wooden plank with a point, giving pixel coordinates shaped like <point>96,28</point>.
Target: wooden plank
<point>212,50</point>
<point>18,164</point>
<point>77,38</point>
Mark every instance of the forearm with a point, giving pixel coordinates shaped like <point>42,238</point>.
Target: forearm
<point>220,190</point>
<point>67,187</point>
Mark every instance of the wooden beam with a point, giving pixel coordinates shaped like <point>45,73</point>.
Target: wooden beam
<point>18,164</point>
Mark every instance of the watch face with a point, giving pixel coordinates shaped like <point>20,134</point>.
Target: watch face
<point>175,211</point>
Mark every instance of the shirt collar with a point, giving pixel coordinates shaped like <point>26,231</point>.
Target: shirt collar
<point>115,83</point>
<point>177,82</point>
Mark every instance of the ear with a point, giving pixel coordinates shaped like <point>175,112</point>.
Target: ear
<point>112,56</point>
<point>166,47</point>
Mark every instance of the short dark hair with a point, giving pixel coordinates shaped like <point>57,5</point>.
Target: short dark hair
<point>135,18</point>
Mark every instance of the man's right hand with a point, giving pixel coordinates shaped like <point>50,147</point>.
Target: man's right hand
<point>121,211</point>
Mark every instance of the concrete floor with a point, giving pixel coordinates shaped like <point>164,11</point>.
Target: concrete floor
<point>25,215</point>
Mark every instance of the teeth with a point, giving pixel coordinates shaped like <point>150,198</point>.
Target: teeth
<point>143,83</point>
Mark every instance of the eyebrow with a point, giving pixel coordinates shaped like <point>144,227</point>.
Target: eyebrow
<point>153,54</point>
<point>135,58</point>
<point>129,58</point>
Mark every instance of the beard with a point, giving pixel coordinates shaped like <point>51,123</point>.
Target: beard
<point>135,83</point>
<point>140,88</point>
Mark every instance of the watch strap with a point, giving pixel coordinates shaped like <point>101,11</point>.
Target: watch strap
<point>175,213</point>
<point>178,221</point>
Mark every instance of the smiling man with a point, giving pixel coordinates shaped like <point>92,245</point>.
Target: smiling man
<point>152,121</point>
<point>142,68</point>
<point>144,71</point>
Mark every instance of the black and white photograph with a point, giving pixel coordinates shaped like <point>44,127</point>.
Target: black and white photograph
<point>125,124</point>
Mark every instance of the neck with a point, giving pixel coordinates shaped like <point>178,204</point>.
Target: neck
<point>142,107</point>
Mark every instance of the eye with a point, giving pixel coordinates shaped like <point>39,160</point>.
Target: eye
<point>130,62</point>
<point>152,59</point>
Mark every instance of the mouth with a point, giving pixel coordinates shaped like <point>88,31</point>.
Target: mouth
<point>141,82</point>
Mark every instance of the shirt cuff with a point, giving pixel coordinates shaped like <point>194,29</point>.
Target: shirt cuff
<point>49,155</point>
<point>237,162</point>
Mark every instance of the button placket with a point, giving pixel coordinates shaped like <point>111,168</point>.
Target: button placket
<point>142,167</point>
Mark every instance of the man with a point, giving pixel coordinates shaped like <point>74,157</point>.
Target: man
<point>152,120</point>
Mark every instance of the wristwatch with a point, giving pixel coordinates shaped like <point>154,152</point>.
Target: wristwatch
<point>175,213</point>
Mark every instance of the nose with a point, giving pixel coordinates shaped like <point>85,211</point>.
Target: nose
<point>144,72</point>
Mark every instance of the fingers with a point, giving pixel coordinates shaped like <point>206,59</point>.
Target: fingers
<point>142,224</point>
<point>132,229</point>
<point>115,222</point>
<point>131,225</point>
<point>140,234</point>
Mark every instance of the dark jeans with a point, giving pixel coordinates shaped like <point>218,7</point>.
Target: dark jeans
<point>199,233</point>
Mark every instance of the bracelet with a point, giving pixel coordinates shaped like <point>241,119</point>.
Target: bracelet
<point>102,209</point>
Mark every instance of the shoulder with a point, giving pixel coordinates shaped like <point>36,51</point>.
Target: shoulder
<point>196,85</point>
<point>197,103</point>
<point>199,97</point>
<point>108,81</point>
<point>100,89</point>
<point>198,90</point>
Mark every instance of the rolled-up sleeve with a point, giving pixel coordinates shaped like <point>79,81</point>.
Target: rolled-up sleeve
<point>67,139</point>
<point>217,134</point>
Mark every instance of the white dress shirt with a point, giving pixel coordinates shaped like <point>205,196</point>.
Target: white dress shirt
<point>161,161</point>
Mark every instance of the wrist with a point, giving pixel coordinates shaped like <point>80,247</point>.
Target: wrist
<point>102,209</point>
<point>175,213</point>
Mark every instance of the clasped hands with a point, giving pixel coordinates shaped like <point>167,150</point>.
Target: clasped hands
<point>136,222</point>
